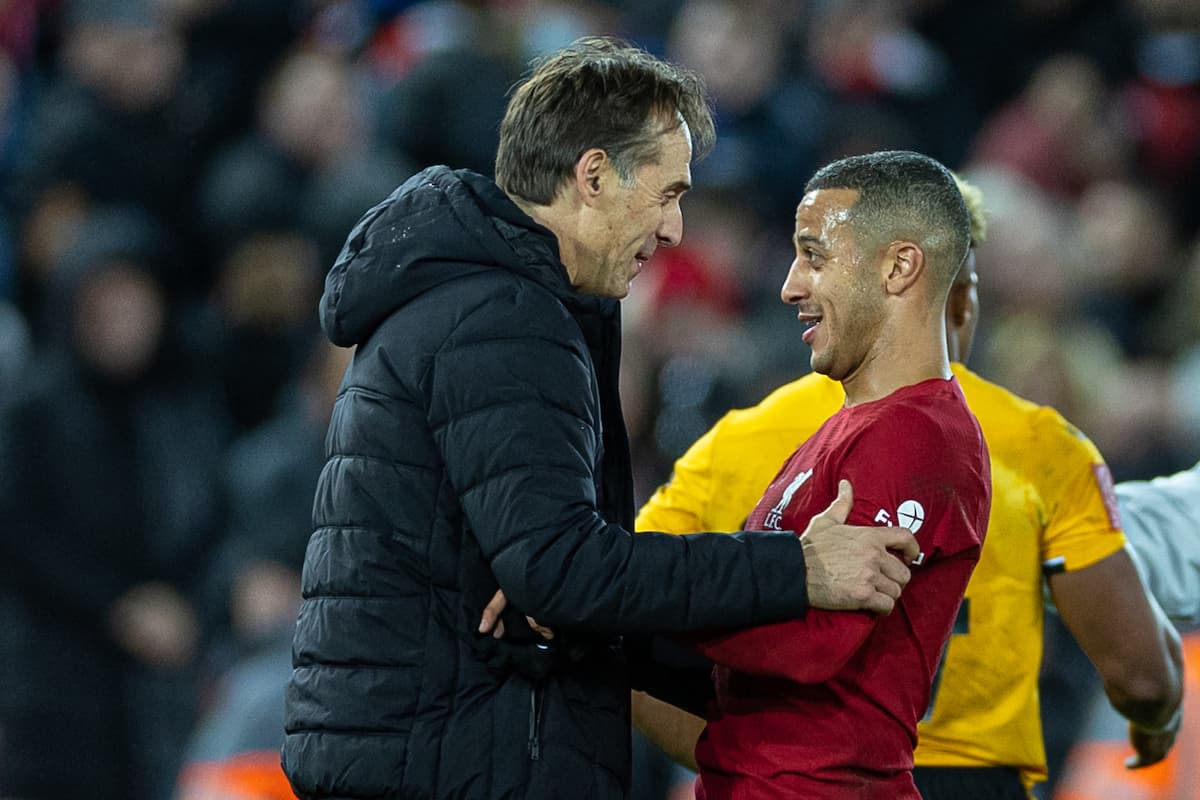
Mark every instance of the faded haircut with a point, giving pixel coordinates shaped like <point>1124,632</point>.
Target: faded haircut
<point>598,92</point>
<point>904,195</point>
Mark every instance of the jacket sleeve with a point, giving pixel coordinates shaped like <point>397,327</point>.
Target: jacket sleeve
<point>1162,525</point>
<point>514,412</point>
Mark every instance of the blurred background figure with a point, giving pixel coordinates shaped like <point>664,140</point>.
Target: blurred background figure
<point>111,511</point>
<point>265,292</point>
<point>271,476</point>
<point>176,177</point>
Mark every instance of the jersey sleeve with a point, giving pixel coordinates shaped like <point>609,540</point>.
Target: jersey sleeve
<point>1077,498</point>
<point>811,650</point>
<point>912,470</point>
<point>681,504</point>
<point>901,475</point>
<point>808,650</point>
<point>717,482</point>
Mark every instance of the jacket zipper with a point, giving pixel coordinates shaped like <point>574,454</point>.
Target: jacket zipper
<point>535,722</point>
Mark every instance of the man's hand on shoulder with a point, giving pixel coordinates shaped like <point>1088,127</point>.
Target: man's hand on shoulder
<point>851,567</point>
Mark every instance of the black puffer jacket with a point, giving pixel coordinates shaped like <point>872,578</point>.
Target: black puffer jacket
<point>478,440</point>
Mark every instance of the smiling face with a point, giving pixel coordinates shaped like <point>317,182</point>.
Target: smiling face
<point>833,285</point>
<point>627,220</point>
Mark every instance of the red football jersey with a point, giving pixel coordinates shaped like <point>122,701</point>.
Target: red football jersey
<point>827,706</point>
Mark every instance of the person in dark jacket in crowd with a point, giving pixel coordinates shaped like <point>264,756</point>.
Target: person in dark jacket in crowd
<point>270,475</point>
<point>477,444</point>
<point>110,507</point>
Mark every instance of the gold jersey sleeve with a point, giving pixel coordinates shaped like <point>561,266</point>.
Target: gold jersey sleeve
<point>715,485</point>
<point>1052,508</point>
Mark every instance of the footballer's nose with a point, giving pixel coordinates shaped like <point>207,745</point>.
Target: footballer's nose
<point>795,287</point>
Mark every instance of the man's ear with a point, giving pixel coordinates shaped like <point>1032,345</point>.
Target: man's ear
<point>591,170</point>
<point>959,308</point>
<point>903,263</point>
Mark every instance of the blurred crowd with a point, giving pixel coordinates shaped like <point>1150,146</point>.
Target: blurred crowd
<point>177,175</point>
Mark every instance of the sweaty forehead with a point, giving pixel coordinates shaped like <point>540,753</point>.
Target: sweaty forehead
<point>822,211</point>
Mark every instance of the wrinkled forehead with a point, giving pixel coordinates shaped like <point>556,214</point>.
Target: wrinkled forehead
<point>671,170</point>
<point>674,139</point>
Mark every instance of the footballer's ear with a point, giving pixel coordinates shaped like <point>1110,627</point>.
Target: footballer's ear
<point>591,172</point>
<point>903,263</point>
<point>960,304</point>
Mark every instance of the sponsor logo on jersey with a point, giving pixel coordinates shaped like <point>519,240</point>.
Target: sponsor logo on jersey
<point>909,514</point>
<point>1104,483</point>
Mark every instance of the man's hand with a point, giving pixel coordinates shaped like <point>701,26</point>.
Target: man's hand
<point>851,567</point>
<point>1152,745</point>
<point>490,619</point>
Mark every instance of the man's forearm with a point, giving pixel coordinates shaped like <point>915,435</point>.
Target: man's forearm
<point>671,729</point>
<point>1125,635</point>
<point>1155,709</point>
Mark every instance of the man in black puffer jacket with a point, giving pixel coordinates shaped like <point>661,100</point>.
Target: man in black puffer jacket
<point>477,443</point>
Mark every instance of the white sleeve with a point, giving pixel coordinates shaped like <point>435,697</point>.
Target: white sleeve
<point>1161,518</point>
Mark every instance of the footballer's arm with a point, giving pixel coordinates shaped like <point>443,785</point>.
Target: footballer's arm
<point>1132,645</point>
<point>671,729</point>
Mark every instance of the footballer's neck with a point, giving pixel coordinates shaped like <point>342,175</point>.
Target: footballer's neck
<point>895,364</point>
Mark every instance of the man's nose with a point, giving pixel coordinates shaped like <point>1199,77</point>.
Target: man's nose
<point>670,230</point>
<point>795,285</point>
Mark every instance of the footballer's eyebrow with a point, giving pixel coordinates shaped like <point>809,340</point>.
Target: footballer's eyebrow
<point>807,238</point>
<point>678,187</point>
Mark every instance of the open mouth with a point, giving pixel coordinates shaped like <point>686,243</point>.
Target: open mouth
<point>639,263</point>
<point>811,322</point>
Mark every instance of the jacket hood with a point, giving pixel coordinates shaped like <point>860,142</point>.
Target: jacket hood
<point>440,225</point>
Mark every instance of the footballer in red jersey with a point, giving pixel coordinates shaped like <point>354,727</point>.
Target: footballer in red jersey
<point>828,706</point>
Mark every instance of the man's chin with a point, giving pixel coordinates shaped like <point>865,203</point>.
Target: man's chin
<point>821,366</point>
<point>615,292</point>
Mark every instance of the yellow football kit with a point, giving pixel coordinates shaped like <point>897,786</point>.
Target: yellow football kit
<point>1052,509</point>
